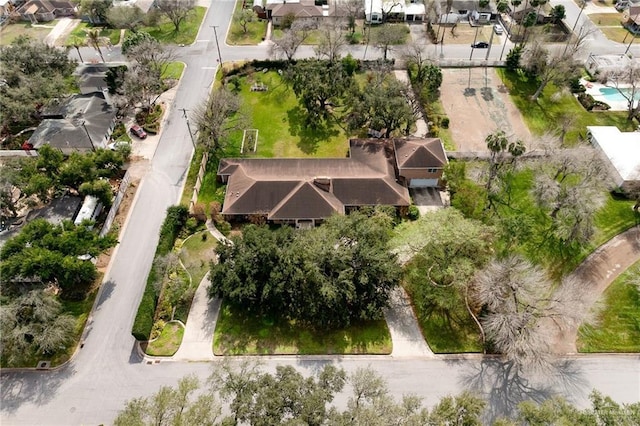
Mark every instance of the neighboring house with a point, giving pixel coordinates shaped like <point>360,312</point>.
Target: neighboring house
<point>520,14</point>
<point>278,10</point>
<point>621,152</point>
<point>46,10</point>
<point>603,65</point>
<point>92,77</point>
<point>375,11</point>
<point>306,191</point>
<point>631,19</point>
<point>623,4</point>
<point>8,6</point>
<point>460,10</point>
<point>80,123</point>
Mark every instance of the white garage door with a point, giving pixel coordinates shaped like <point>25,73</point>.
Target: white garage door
<point>423,183</point>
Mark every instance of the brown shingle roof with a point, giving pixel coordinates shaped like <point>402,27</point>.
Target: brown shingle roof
<point>288,188</point>
<point>420,153</point>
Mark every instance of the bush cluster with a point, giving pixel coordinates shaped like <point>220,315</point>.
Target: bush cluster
<point>591,104</point>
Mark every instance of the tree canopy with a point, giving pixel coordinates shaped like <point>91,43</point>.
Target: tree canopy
<point>329,276</point>
<point>32,73</point>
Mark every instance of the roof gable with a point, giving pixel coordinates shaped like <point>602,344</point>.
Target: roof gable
<point>306,198</point>
<point>420,153</point>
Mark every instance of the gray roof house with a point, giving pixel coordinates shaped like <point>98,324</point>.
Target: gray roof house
<point>79,123</point>
<point>306,190</point>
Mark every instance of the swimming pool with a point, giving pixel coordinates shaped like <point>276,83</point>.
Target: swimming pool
<point>613,95</point>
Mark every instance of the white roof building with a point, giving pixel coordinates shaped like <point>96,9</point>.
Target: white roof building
<point>399,9</point>
<point>621,150</point>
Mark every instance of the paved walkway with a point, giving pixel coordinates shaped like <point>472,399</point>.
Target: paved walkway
<point>597,272</point>
<point>422,130</point>
<point>407,338</point>
<point>198,333</point>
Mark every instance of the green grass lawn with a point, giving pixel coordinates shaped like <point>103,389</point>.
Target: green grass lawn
<point>174,70</point>
<point>256,30</point>
<point>614,217</point>
<point>451,338</point>
<point>168,342</point>
<point>547,109</point>
<point>240,334</point>
<point>606,19</point>
<point>196,252</point>
<point>82,29</point>
<point>280,122</point>
<point>618,327</point>
<point>618,34</point>
<point>10,32</point>
<point>165,32</point>
<point>435,113</point>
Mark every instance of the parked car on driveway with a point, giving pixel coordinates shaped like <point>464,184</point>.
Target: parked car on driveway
<point>480,45</point>
<point>498,29</point>
<point>138,131</point>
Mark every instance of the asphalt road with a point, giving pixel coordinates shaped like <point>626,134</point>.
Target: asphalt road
<point>107,371</point>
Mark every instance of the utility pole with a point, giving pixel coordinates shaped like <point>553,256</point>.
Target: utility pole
<point>473,46</point>
<point>215,33</point>
<point>93,148</point>
<point>629,45</point>
<point>486,58</point>
<point>186,117</point>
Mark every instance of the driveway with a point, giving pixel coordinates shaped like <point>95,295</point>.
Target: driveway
<point>478,104</point>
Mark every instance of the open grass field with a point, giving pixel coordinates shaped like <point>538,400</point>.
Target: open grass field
<point>551,107</point>
<point>618,325</point>
<point>606,19</point>
<point>165,32</point>
<point>10,32</point>
<point>280,122</point>
<point>82,29</point>
<point>256,30</point>
<point>196,251</point>
<point>168,342</point>
<point>619,34</point>
<point>240,334</point>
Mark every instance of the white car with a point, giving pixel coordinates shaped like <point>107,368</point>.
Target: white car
<point>498,29</point>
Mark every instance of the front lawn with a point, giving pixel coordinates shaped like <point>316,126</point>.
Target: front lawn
<point>11,32</point>
<point>168,342</point>
<point>618,323</point>
<point>82,29</point>
<point>256,30</point>
<point>173,71</point>
<point>281,122</point>
<point>550,108</point>
<point>239,333</point>
<point>196,251</point>
<point>165,32</point>
<point>616,216</point>
<point>606,19</point>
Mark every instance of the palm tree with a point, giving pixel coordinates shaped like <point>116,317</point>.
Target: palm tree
<point>94,40</point>
<point>77,42</point>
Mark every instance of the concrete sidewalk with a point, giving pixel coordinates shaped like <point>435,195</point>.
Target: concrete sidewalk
<point>403,325</point>
<point>422,130</point>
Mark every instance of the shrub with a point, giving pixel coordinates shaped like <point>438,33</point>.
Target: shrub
<point>173,223</point>
<point>214,210</point>
<point>199,212</point>
<point>444,123</point>
<point>576,86</point>
<point>224,227</point>
<point>413,213</point>
<point>591,104</point>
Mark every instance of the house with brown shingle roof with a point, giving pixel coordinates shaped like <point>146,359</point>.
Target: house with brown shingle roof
<point>45,10</point>
<point>305,191</point>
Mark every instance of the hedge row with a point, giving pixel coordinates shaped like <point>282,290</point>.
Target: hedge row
<point>173,223</point>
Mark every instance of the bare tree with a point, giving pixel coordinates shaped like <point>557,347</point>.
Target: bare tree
<point>218,117</point>
<point>390,35</point>
<point>331,42</point>
<point>292,39</point>
<point>352,10</point>
<point>128,18</point>
<point>627,82</point>
<point>388,8</point>
<point>570,184</point>
<point>548,67</point>
<point>517,296</point>
<point>152,55</point>
<point>244,17</point>
<point>176,10</point>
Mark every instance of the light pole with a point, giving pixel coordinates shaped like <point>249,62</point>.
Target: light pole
<point>93,148</point>
<point>215,33</point>
<point>186,117</point>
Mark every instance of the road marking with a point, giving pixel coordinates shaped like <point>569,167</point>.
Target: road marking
<point>202,41</point>
<point>209,68</point>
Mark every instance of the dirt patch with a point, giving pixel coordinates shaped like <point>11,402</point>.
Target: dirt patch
<point>118,222</point>
<point>478,106</point>
<point>463,33</point>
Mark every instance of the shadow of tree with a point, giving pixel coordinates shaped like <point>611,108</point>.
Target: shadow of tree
<point>506,385</point>
<point>33,387</point>
<point>309,137</point>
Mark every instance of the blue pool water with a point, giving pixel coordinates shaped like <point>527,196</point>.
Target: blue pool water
<point>612,94</point>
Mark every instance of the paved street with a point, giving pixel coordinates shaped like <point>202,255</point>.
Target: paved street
<point>108,370</point>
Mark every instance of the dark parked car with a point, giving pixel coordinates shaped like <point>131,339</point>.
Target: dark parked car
<point>480,45</point>
<point>138,131</point>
